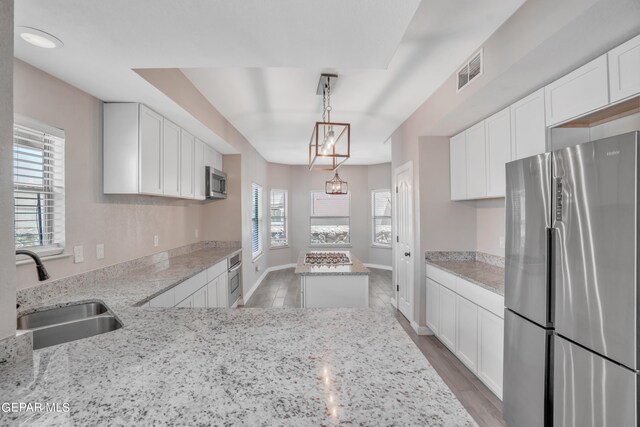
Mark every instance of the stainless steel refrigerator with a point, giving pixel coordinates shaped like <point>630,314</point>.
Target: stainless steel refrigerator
<point>571,287</point>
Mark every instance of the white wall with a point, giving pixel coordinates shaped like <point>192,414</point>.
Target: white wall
<point>7,248</point>
<point>125,224</point>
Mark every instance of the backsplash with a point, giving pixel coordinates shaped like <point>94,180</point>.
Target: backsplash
<point>486,258</point>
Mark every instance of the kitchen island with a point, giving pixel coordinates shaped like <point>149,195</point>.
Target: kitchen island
<point>341,281</point>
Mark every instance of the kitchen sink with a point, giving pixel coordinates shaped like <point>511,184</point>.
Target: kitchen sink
<point>60,315</point>
<point>70,323</point>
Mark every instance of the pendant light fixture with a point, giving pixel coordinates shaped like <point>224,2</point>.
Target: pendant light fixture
<point>330,143</point>
<point>336,185</point>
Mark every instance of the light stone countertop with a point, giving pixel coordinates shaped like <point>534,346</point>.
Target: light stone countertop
<point>485,275</point>
<point>182,366</point>
<point>355,268</point>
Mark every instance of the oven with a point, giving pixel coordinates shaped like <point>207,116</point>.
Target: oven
<point>215,183</point>
<point>234,264</point>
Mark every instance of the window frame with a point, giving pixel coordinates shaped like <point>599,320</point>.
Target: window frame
<point>285,218</point>
<point>374,217</point>
<point>327,245</point>
<point>259,219</point>
<point>57,226</point>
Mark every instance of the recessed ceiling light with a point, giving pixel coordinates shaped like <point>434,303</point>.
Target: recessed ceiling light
<point>39,38</point>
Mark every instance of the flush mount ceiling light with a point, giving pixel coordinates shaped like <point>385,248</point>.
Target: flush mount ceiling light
<point>336,185</point>
<point>330,143</point>
<point>39,38</point>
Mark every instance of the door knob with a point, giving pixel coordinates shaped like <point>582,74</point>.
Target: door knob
<point>407,254</point>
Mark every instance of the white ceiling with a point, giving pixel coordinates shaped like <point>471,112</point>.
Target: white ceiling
<point>258,61</point>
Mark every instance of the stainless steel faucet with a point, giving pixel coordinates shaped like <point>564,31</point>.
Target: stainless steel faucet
<point>42,272</point>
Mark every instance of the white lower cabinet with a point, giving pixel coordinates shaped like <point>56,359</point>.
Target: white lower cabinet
<point>433,306</point>
<point>467,333</point>
<point>466,318</point>
<point>490,350</point>
<point>200,291</point>
<point>448,318</point>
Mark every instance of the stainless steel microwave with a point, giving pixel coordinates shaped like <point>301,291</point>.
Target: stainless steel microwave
<point>216,183</point>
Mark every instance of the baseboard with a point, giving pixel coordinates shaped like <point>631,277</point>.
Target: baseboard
<point>246,297</point>
<point>378,266</point>
<point>420,330</point>
<point>394,303</point>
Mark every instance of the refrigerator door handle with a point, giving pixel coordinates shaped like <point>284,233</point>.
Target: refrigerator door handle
<point>550,273</point>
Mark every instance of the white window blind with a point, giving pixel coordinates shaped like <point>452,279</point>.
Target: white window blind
<point>38,187</point>
<point>381,216</point>
<point>278,218</point>
<point>256,220</point>
<point>330,219</point>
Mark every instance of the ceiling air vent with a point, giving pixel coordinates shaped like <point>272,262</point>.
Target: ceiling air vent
<point>470,70</point>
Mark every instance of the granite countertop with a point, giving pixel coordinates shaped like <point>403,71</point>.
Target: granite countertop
<point>488,276</point>
<point>355,268</point>
<point>222,366</point>
<point>130,289</point>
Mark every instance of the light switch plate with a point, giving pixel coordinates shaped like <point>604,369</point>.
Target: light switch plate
<point>155,241</point>
<point>78,254</point>
<point>100,251</point>
<point>197,233</point>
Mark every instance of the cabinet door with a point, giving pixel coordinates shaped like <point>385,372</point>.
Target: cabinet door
<point>528,128</point>
<point>171,155</point>
<point>198,169</point>
<point>624,70</point>
<point>200,298</point>
<point>498,144</point>
<point>212,293</point>
<point>448,318</point>
<point>467,332</point>
<point>187,163</point>
<point>218,161</point>
<point>223,290</point>
<point>490,350</point>
<point>166,299</point>
<point>150,140</point>
<point>433,305</point>
<point>186,303</point>
<point>209,156</point>
<point>476,162</point>
<point>579,92</point>
<point>458,166</point>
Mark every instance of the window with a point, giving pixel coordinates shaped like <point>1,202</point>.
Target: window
<point>38,187</point>
<point>330,218</point>
<point>278,219</point>
<point>256,220</point>
<point>381,217</point>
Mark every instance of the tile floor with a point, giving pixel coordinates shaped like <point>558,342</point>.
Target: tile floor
<point>282,289</point>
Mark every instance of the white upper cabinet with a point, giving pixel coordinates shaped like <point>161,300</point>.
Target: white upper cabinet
<point>187,163</point>
<point>198,169</point>
<point>498,143</point>
<point>458,166</point>
<point>171,162</point>
<point>476,162</point>
<point>624,70</point>
<point>528,129</point>
<point>144,153</point>
<point>579,92</point>
<point>151,162</point>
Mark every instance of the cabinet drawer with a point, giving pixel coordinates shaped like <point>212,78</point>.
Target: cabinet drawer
<point>216,270</point>
<point>482,297</point>
<point>442,277</point>
<point>191,285</point>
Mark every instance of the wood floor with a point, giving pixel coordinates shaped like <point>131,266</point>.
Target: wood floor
<point>282,289</point>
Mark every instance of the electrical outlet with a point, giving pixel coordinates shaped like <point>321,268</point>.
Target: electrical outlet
<point>155,241</point>
<point>501,242</point>
<point>197,233</point>
<point>100,251</point>
<point>78,254</point>
<point>257,268</point>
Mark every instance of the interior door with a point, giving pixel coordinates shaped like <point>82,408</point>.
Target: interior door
<point>404,238</point>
